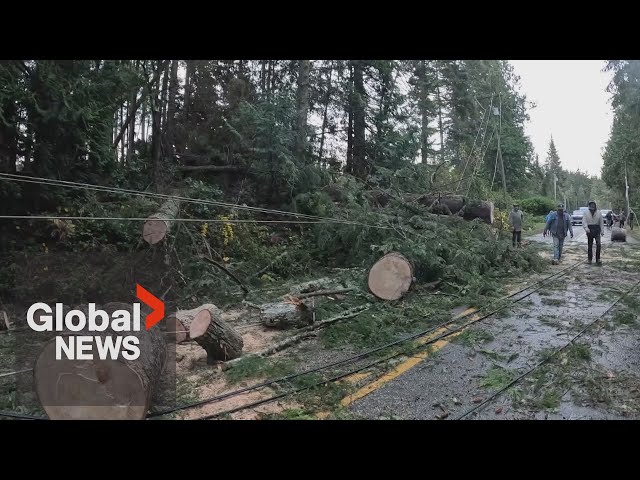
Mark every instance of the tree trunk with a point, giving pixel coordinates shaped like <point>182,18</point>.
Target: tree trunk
<point>360,165</point>
<point>440,122</point>
<point>302,108</point>
<point>158,225</point>
<point>163,96</point>
<point>349,166</point>
<point>459,205</point>
<point>285,315</point>
<point>618,234</point>
<point>391,277</point>
<point>423,105</point>
<point>131,128</point>
<point>327,99</point>
<point>187,87</point>
<point>172,108</point>
<point>8,139</point>
<point>123,126</point>
<point>101,389</point>
<point>206,327</point>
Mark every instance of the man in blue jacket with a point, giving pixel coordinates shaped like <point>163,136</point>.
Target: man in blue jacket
<point>558,225</point>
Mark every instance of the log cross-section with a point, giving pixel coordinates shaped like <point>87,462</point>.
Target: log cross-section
<point>391,277</point>
<point>158,225</point>
<point>112,389</point>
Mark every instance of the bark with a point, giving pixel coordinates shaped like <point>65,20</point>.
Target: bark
<point>158,225</point>
<point>360,163</point>
<point>302,108</point>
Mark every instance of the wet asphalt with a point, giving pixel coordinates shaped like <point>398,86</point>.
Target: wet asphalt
<point>458,376</point>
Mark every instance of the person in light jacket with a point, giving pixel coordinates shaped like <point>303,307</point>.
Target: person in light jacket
<point>558,225</point>
<point>593,225</point>
<point>516,218</point>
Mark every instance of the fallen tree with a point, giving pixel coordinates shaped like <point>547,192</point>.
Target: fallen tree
<point>205,326</point>
<point>391,277</point>
<point>467,208</point>
<point>288,314</point>
<point>158,225</point>
<point>100,389</point>
<point>618,234</point>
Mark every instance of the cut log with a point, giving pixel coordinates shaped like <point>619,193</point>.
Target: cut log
<point>217,337</point>
<point>458,205</point>
<point>618,234</point>
<point>391,277</point>
<point>176,331</point>
<point>286,315</point>
<point>100,389</point>
<point>158,225</point>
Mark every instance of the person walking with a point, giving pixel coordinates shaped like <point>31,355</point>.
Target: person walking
<point>558,225</point>
<point>516,219</point>
<point>609,219</point>
<point>632,217</point>
<point>623,218</point>
<point>593,225</point>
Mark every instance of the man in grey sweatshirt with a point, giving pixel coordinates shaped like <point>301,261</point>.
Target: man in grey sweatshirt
<point>516,218</point>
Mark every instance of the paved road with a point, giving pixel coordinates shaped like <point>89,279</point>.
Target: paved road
<point>466,370</point>
<point>580,238</point>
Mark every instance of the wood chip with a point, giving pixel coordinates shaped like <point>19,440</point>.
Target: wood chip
<point>477,400</point>
<point>498,410</point>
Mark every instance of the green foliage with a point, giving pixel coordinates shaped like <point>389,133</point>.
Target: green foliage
<point>537,205</point>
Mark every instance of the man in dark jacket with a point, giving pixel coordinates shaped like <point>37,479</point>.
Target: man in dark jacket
<point>558,225</point>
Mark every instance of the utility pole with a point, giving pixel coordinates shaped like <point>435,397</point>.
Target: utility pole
<point>626,190</point>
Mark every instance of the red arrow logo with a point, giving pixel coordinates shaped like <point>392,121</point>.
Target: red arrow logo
<point>152,301</point>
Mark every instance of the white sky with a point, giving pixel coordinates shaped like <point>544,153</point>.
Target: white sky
<point>572,105</point>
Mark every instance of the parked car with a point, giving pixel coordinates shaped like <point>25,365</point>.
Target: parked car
<point>576,217</point>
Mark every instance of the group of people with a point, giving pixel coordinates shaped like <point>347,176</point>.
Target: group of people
<point>558,225</point>
<point>613,217</point>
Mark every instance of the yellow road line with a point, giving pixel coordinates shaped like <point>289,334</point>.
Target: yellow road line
<point>409,363</point>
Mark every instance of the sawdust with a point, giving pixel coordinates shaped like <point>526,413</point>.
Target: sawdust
<point>257,338</point>
<point>192,365</point>
<point>218,386</point>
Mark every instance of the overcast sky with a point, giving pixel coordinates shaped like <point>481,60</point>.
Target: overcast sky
<point>572,105</point>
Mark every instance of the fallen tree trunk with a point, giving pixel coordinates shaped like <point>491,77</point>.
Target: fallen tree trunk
<point>458,205</point>
<point>391,277</point>
<point>100,389</point>
<point>206,327</point>
<point>158,225</point>
<point>618,234</point>
<point>469,209</point>
<point>304,333</point>
<point>285,315</point>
